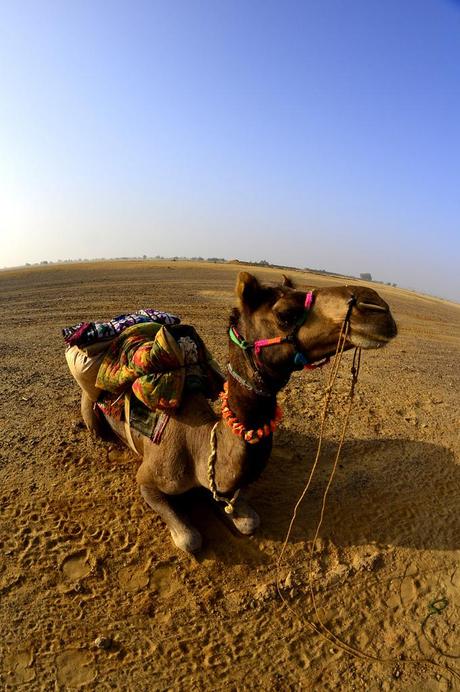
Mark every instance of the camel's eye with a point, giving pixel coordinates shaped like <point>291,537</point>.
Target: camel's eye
<point>289,318</point>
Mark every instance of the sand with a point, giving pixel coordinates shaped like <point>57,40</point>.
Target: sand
<point>85,559</point>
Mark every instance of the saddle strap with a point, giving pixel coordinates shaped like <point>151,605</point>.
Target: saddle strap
<point>129,437</point>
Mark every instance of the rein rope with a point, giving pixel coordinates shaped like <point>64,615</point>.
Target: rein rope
<point>319,627</point>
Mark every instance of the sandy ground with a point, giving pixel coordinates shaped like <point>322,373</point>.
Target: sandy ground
<point>84,557</point>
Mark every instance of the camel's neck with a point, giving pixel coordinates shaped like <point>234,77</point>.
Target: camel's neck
<point>251,399</point>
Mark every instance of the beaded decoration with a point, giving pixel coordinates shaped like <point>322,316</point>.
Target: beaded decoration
<point>250,436</point>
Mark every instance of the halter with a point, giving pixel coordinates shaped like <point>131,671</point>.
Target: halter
<point>301,362</point>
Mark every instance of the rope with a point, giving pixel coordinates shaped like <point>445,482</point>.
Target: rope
<point>332,377</point>
<point>319,627</point>
<point>436,607</point>
<point>229,508</point>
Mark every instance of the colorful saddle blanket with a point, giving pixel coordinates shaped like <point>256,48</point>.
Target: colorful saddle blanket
<point>150,423</point>
<point>157,364</point>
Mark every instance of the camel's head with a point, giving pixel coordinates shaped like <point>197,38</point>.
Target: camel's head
<point>313,329</point>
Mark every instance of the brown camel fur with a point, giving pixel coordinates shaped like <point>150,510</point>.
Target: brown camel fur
<point>180,462</point>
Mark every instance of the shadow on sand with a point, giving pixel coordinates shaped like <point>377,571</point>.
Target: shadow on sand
<point>391,492</point>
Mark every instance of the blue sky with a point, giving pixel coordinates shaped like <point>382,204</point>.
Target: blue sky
<point>321,134</point>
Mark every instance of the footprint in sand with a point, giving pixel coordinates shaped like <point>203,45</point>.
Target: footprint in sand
<point>77,565</point>
<point>455,579</point>
<point>18,665</point>
<point>133,578</point>
<point>163,580</point>
<point>75,668</point>
<point>408,592</point>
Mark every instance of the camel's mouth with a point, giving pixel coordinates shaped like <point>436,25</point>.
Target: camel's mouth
<point>374,328</point>
<point>369,341</point>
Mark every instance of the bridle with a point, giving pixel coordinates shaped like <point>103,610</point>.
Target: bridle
<point>300,361</point>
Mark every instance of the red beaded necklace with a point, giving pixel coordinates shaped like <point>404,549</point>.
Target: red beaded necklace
<point>251,436</point>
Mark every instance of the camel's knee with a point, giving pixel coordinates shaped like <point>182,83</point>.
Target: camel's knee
<point>153,497</point>
<point>184,536</point>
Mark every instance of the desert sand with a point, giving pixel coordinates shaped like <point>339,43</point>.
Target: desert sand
<point>85,559</point>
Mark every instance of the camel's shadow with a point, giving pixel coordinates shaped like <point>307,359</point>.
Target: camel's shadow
<point>397,492</point>
<point>390,492</point>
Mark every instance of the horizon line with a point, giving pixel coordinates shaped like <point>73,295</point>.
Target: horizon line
<point>262,264</point>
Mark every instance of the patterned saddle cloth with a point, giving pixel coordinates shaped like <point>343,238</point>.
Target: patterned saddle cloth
<point>156,363</point>
<point>86,334</point>
<point>147,422</point>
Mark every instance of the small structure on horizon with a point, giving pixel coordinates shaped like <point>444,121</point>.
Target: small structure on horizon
<point>366,276</point>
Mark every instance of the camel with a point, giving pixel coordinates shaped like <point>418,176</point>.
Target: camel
<point>273,331</point>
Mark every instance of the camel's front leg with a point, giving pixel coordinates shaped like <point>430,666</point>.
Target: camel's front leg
<point>184,536</point>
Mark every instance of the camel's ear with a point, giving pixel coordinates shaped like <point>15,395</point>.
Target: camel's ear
<point>248,290</point>
<point>288,282</point>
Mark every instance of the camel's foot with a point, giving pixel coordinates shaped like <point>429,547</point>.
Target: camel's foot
<point>189,539</point>
<point>244,518</point>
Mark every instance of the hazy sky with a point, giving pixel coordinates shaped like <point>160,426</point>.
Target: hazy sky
<point>322,134</point>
